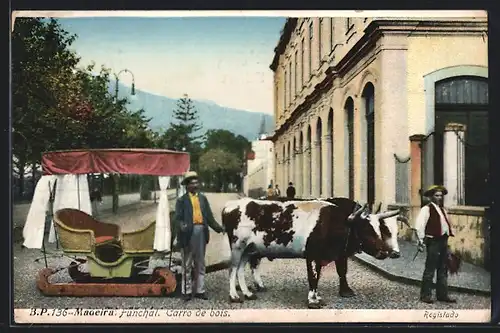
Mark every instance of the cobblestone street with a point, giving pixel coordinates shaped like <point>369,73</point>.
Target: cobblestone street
<point>285,279</point>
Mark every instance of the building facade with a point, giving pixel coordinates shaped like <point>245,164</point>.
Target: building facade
<point>376,109</point>
<point>260,169</point>
<point>350,92</point>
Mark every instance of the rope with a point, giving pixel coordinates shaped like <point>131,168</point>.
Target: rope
<point>399,160</point>
<point>468,144</point>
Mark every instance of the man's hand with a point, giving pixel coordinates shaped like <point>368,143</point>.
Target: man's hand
<point>421,246</point>
<point>183,226</point>
<point>223,230</point>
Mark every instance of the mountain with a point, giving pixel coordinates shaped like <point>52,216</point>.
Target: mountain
<point>212,116</point>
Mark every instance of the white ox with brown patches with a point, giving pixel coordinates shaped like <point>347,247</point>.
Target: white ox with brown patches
<point>319,231</point>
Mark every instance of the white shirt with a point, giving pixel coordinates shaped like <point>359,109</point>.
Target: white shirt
<point>423,218</point>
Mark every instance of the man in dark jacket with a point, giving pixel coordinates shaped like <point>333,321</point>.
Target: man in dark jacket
<point>95,199</point>
<point>290,191</point>
<point>194,215</point>
<point>433,229</point>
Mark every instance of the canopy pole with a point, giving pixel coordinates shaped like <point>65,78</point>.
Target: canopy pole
<point>52,197</point>
<point>78,189</point>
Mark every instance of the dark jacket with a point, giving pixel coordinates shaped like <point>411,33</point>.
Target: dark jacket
<point>184,216</point>
<point>290,192</point>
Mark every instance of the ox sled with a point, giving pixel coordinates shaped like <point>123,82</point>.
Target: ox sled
<point>104,260</point>
<point>320,231</point>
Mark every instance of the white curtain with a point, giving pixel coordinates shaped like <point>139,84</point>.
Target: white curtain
<point>34,228</point>
<point>72,192</point>
<point>162,231</point>
<point>181,188</point>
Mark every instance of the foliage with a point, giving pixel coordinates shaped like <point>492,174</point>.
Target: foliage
<point>57,106</point>
<point>218,167</point>
<point>181,133</point>
<point>234,148</point>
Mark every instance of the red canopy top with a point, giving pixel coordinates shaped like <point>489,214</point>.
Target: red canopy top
<point>156,162</point>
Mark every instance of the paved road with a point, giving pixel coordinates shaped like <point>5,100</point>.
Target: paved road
<point>286,280</point>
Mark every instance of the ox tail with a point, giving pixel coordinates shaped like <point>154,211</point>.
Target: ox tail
<point>229,231</point>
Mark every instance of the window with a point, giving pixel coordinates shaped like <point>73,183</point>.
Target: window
<point>289,82</point>
<point>320,41</point>
<point>302,64</point>
<point>310,46</point>
<point>332,35</point>
<point>464,100</point>
<point>295,71</point>
<point>284,90</point>
<point>348,24</point>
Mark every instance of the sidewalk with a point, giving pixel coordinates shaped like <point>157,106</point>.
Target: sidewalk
<point>470,278</point>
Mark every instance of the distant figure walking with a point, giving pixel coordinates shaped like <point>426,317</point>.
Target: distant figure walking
<point>270,191</point>
<point>290,191</point>
<point>95,198</point>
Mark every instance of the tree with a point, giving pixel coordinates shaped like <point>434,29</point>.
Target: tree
<point>41,66</point>
<point>56,106</point>
<point>217,166</point>
<point>187,123</point>
<point>228,141</point>
<point>182,132</point>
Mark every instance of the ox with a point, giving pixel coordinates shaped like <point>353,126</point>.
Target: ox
<point>317,230</point>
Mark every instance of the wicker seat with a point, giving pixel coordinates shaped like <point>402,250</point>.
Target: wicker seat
<point>80,232</point>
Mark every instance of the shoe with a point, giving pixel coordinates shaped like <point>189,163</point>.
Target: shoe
<point>187,297</point>
<point>447,300</point>
<point>427,300</point>
<point>201,296</point>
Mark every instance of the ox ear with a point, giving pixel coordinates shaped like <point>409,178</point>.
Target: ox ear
<point>378,208</point>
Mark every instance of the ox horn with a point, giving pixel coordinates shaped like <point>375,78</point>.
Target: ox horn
<point>378,208</point>
<point>388,214</point>
<point>357,212</point>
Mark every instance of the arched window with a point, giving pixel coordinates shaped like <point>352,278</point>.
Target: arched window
<point>464,100</point>
<point>349,108</point>
<point>369,97</point>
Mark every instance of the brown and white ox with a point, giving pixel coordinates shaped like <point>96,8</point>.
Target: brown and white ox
<point>319,231</point>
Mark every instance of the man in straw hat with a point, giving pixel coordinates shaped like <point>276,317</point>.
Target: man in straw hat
<point>194,215</point>
<point>433,229</point>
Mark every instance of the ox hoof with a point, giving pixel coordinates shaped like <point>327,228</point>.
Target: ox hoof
<point>314,305</point>
<point>251,297</point>
<point>235,300</point>
<point>259,288</point>
<point>347,293</point>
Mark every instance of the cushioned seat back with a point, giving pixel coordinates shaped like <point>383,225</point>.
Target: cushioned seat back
<point>77,219</point>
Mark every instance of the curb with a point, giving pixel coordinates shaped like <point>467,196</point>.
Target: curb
<point>417,282</point>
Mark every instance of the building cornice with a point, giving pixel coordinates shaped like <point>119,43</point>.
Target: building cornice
<point>371,34</point>
<point>286,34</point>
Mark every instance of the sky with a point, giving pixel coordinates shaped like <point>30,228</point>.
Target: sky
<point>221,59</point>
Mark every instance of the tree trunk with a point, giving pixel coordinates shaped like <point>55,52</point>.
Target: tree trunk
<point>22,170</point>
<point>33,178</point>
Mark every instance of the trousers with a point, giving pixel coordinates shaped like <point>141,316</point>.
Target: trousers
<point>436,261</point>
<point>95,208</point>
<point>193,262</point>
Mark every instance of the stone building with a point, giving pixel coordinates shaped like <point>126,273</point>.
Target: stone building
<point>376,108</point>
<point>260,168</point>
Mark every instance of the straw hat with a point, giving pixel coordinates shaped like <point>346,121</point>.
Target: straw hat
<point>188,176</point>
<point>435,188</point>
